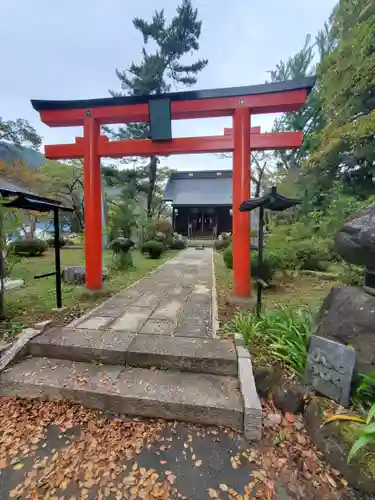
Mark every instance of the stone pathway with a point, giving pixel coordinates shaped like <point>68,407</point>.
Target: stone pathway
<point>175,300</point>
<point>149,351</point>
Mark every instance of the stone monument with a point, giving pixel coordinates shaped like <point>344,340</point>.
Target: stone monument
<point>330,368</point>
<point>348,312</point>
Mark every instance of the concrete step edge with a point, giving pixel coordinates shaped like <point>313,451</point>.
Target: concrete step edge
<point>146,351</point>
<point>136,392</point>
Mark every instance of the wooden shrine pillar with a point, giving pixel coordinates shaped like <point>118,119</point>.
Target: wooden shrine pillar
<point>92,203</point>
<point>241,191</point>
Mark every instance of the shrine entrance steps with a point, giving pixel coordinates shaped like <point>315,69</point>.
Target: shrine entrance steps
<point>149,351</point>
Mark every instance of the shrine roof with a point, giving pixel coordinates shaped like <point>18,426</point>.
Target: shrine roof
<point>190,95</point>
<point>200,188</point>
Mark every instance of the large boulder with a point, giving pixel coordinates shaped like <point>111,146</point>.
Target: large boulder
<point>355,241</point>
<point>348,316</point>
<point>77,275</point>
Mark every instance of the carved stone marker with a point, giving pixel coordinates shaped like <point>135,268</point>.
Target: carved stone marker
<point>329,368</point>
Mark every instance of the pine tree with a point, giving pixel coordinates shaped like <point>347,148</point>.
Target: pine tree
<point>161,67</point>
<point>19,132</point>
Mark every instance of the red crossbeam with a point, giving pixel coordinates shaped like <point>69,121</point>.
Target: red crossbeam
<point>185,145</point>
<point>253,130</point>
<point>277,102</point>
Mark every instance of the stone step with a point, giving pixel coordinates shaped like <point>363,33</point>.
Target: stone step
<point>191,397</point>
<point>200,355</point>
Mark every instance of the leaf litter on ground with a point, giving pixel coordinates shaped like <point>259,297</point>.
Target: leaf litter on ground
<point>95,458</point>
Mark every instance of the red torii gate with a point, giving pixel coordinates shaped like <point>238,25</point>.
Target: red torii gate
<point>159,110</point>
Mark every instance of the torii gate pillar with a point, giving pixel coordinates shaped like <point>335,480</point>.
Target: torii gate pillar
<point>241,191</point>
<point>92,204</point>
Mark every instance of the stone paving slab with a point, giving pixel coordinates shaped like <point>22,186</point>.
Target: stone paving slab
<point>196,355</point>
<point>169,308</point>
<point>191,397</point>
<point>132,320</point>
<point>159,326</point>
<point>193,327</point>
<point>94,323</point>
<point>82,345</point>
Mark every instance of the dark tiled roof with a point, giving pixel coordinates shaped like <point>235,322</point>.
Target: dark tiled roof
<point>201,188</point>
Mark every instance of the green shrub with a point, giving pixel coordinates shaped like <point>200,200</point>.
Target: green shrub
<point>351,275</point>
<point>122,258</point>
<point>177,244</point>
<point>366,435</point>
<point>153,248</point>
<point>222,244</point>
<point>311,254</point>
<point>51,242</point>
<point>363,393</point>
<point>122,261</point>
<point>285,331</point>
<point>265,273</point>
<point>29,247</point>
<point>228,257</point>
<point>121,245</point>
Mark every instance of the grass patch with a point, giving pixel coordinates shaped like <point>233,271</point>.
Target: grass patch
<point>291,290</point>
<point>35,301</point>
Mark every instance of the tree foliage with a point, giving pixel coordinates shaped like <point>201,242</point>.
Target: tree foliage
<point>65,184</point>
<point>162,64</point>
<point>345,146</point>
<point>338,120</point>
<point>19,132</point>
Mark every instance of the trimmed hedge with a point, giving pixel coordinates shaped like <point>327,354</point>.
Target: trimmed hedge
<point>222,244</point>
<point>153,248</point>
<point>178,245</point>
<point>51,242</point>
<point>265,272</point>
<point>29,248</point>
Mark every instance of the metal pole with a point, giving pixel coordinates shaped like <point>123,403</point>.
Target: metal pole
<point>57,257</point>
<point>260,258</point>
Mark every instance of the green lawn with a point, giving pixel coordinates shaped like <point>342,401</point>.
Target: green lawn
<point>36,299</point>
<point>294,290</point>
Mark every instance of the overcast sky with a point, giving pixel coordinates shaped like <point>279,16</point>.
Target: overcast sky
<point>69,49</point>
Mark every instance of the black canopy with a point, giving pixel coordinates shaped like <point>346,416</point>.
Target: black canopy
<point>272,201</point>
<point>28,201</point>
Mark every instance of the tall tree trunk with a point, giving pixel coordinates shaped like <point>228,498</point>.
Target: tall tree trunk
<point>151,184</point>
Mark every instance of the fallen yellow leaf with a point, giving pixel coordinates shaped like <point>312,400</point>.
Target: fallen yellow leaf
<point>212,493</point>
<point>18,466</point>
<point>171,478</point>
<point>224,487</point>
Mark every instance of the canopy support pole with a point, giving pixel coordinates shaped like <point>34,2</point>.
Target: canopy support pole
<point>260,258</point>
<point>57,257</point>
